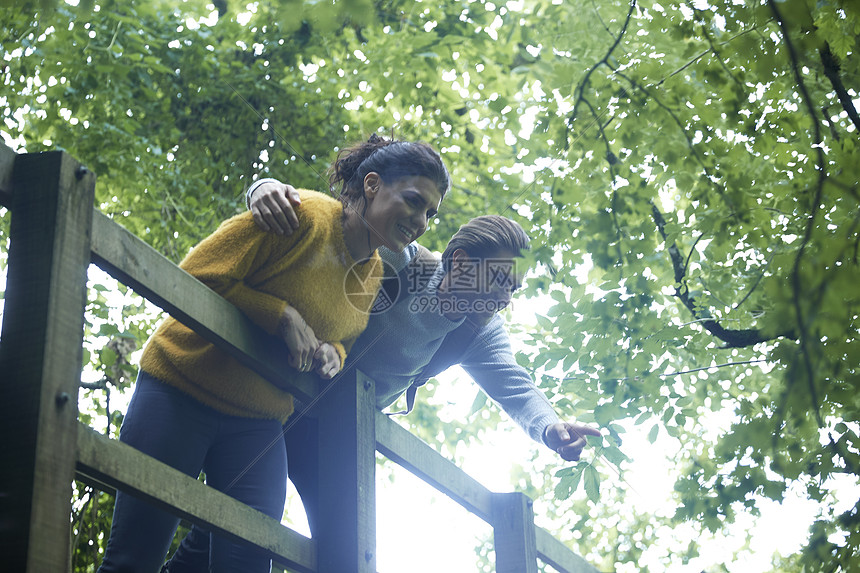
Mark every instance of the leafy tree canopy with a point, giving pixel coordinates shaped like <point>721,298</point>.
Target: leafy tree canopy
<point>699,160</point>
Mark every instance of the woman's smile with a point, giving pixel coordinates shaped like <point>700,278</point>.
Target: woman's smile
<point>409,234</point>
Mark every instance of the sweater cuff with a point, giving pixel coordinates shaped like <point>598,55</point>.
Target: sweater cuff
<point>539,428</point>
<point>341,351</point>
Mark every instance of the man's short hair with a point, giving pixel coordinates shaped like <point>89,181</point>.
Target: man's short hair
<point>486,236</point>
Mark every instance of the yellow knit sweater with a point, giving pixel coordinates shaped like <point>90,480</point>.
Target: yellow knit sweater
<point>260,273</point>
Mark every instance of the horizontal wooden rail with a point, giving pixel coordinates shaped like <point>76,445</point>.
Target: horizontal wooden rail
<point>104,462</point>
<point>134,263</point>
<point>131,261</point>
<point>409,451</point>
<point>554,552</point>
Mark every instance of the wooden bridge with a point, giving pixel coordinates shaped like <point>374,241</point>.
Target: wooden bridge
<point>55,234</point>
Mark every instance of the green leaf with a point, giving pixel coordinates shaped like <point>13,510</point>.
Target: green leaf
<point>592,484</point>
<point>652,434</point>
<point>478,403</point>
<point>108,357</point>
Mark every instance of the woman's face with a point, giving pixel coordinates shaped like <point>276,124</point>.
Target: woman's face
<point>397,212</point>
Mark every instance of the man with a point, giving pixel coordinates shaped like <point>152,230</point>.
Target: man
<point>445,313</point>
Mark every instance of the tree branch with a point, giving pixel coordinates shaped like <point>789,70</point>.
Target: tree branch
<point>611,159</point>
<point>703,54</point>
<point>797,281</point>
<point>733,338</point>
<point>831,71</point>
<point>719,56</point>
<point>720,189</point>
<point>664,375</point>
<point>825,115</point>
<point>77,528</point>
<point>100,385</point>
<point>724,365</point>
<point>756,283</point>
<point>690,254</point>
<point>599,17</point>
<point>604,61</point>
<point>609,154</point>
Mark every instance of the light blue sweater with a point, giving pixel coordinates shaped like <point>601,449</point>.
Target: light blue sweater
<point>399,342</point>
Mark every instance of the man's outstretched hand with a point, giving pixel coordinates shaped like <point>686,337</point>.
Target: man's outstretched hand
<point>567,439</point>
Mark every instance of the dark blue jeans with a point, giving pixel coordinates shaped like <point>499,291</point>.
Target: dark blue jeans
<point>300,439</point>
<point>243,457</point>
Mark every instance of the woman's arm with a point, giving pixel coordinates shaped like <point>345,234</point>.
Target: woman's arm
<point>300,340</point>
<point>225,259</point>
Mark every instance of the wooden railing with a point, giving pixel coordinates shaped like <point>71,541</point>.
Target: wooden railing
<point>55,234</point>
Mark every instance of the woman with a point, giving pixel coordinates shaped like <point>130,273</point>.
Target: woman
<point>196,408</point>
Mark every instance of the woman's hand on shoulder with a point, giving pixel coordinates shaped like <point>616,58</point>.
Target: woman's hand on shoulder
<point>326,361</point>
<point>299,338</point>
<point>273,207</point>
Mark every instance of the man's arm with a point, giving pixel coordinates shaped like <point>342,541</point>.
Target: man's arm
<point>490,361</point>
<point>272,205</point>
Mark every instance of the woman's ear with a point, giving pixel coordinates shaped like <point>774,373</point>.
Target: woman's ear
<point>371,185</point>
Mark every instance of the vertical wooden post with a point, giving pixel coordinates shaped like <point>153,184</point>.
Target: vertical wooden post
<point>346,539</point>
<point>514,533</point>
<point>40,357</point>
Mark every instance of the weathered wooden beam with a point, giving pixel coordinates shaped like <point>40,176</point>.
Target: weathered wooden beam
<point>109,463</point>
<point>514,533</point>
<point>346,536</point>
<point>40,357</point>
<point>407,450</point>
<point>137,265</point>
<point>552,551</point>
